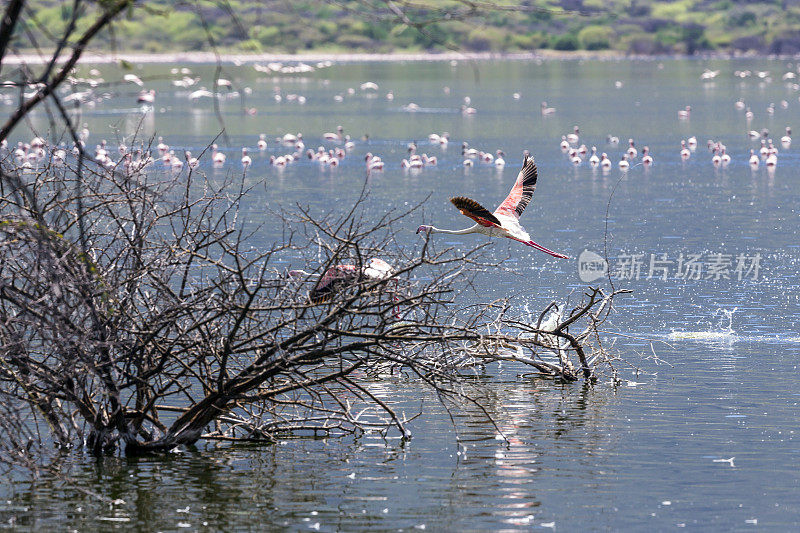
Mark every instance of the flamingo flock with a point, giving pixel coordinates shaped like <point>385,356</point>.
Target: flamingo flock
<point>335,145</point>
<point>577,153</point>
<point>766,154</point>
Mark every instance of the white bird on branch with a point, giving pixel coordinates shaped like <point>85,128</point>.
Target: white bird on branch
<point>504,222</point>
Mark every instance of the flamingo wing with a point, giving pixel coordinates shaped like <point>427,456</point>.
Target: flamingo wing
<point>522,191</point>
<point>331,281</point>
<point>475,211</point>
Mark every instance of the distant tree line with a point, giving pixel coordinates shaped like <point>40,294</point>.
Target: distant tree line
<point>628,26</point>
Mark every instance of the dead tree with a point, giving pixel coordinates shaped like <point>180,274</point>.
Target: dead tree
<point>134,310</point>
<point>138,311</point>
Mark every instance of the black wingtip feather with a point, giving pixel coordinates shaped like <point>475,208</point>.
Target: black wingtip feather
<point>474,208</point>
<point>529,172</point>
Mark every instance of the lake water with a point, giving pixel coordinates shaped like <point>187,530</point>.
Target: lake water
<point>707,439</point>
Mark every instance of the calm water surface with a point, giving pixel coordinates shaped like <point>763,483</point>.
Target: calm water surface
<point>708,440</point>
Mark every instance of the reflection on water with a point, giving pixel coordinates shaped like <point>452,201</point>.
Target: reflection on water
<point>652,453</point>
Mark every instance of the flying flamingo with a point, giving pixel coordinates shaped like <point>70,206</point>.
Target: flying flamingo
<point>504,222</point>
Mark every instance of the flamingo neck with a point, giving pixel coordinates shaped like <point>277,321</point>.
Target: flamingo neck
<point>465,231</point>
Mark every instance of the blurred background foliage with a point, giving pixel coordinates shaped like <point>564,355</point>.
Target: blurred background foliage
<point>627,26</point>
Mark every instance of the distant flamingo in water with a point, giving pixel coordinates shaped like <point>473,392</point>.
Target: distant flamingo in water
<point>504,222</point>
<point>754,159</point>
<point>146,97</point>
<point>594,161</point>
<point>338,136</point>
<point>573,137</point>
<point>605,162</point>
<point>373,162</point>
<point>632,152</point>
<point>216,156</point>
<point>786,140</point>
<point>647,159</point>
<point>685,153</point>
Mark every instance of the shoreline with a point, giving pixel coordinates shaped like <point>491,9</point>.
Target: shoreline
<point>97,58</point>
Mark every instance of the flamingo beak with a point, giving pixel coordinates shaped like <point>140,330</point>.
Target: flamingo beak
<point>545,250</point>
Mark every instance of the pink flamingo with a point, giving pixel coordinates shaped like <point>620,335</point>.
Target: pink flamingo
<point>647,159</point>
<point>786,140</point>
<point>338,136</point>
<point>216,156</point>
<point>547,110</point>
<point>594,161</point>
<point>605,162</point>
<point>685,153</point>
<point>192,161</point>
<point>339,277</point>
<point>504,222</point>
<point>717,159</point>
<point>754,160</point>
<point>146,97</point>
<point>373,162</point>
<point>572,138</point>
<point>632,152</point>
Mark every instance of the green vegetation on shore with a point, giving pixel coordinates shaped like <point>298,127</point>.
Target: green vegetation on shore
<point>628,26</point>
